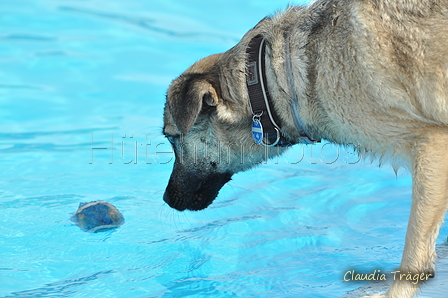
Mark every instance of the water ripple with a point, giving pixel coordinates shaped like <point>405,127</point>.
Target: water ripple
<point>34,134</point>
<point>61,288</point>
<point>147,24</point>
<point>27,37</point>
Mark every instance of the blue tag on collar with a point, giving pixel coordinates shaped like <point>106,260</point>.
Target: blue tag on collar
<point>257,130</point>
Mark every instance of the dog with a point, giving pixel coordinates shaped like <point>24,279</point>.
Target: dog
<point>370,73</point>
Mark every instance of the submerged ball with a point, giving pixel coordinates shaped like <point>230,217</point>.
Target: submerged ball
<point>97,216</point>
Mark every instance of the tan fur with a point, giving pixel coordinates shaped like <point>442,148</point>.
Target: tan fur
<point>370,73</point>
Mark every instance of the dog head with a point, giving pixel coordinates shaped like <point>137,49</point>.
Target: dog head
<point>207,119</point>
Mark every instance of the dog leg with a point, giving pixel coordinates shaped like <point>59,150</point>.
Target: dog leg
<point>429,160</point>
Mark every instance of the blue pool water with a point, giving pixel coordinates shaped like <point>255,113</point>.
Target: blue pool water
<point>82,88</point>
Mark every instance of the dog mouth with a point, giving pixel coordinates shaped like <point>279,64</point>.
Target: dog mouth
<point>187,191</point>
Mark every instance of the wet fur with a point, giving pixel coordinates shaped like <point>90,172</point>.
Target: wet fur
<point>372,74</point>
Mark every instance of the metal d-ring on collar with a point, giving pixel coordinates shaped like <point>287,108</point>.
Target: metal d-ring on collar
<point>257,131</point>
<point>259,98</point>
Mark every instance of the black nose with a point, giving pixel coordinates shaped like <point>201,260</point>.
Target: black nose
<point>166,198</point>
<point>169,200</point>
<point>172,202</point>
<point>186,190</point>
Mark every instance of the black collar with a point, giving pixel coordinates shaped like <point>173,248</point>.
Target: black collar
<point>266,121</point>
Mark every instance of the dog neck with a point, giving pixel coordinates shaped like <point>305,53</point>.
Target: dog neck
<point>266,122</point>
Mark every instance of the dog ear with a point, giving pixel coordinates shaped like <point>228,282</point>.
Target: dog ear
<point>186,101</point>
